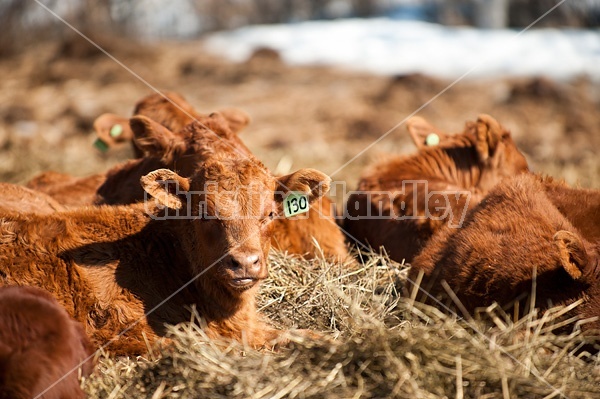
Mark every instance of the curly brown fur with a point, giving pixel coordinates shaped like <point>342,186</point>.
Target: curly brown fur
<point>515,230</point>
<point>110,265</point>
<point>415,195</point>
<point>580,206</point>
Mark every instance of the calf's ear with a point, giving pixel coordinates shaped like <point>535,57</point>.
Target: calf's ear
<point>308,181</point>
<point>572,254</point>
<point>236,118</point>
<point>423,133</point>
<point>113,128</point>
<point>151,137</point>
<point>166,187</point>
<point>489,135</point>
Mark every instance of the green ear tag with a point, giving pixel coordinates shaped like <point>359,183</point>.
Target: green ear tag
<point>116,130</point>
<point>432,139</point>
<point>295,203</point>
<point>101,145</point>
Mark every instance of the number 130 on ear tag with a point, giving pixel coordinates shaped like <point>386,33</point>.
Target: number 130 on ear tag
<point>295,203</point>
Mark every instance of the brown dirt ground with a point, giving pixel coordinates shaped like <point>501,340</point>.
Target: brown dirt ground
<point>317,117</point>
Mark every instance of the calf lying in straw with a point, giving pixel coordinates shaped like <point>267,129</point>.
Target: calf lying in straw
<point>401,202</point>
<point>41,348</point>
<point>514,237</point>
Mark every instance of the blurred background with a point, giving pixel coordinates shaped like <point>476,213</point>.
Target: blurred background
<point>152,19</point>
<point>322,80</point>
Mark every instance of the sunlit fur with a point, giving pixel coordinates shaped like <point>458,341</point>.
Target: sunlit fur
<point>473,161</point>
<point>580,206</point>
<point>109,265</point>
<point>173,142</point>
<point>514,230</point>
<point>21,199</point>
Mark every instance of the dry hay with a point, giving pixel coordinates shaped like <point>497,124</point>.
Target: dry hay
<point>380,345</point>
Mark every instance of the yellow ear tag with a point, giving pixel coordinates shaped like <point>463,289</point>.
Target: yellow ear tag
<point>432,139</point>
<point>116,130</point>
<point>101,145</point>
<point>295,203</point>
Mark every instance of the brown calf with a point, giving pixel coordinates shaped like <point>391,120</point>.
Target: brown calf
<point>173,112</point>
<point>294,236</point>
<point>115,266</point>
<point>41,348</point>
<point>579,205</point>
<point>515,230</point>
<point>401,202</point>
<point>65,189</point>
<point>169,109</point>
<point>182,150</point>
<point>186,149</point>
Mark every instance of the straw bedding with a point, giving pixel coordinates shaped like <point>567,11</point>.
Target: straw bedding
<point>376,343</point>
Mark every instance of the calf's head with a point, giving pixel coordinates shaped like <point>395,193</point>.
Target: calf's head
<point>173,111</point>
<point>186,149</point>
<point>227,207</point>
<point>168,109</point>
<point>512,235</point>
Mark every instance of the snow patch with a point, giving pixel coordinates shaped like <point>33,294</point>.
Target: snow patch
<point>389,47</point>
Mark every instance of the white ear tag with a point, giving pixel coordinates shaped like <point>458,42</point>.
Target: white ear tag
<point>432,140</point>
<point>295,203</point>
<point>116,130</point>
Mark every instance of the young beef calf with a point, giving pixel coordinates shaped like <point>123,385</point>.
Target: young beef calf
<point>169,109</point>
<point>41,347</point>
<point>514,232</point>
<point>126,271</point>
<point>401,202</point>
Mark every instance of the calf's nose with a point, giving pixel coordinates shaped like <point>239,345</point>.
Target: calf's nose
<point>249,264</point>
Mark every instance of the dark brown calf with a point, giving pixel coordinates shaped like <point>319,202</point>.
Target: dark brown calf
<point>515,230</point>
<point>401,202</point>
<point>41,348</point>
